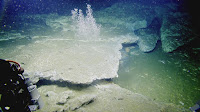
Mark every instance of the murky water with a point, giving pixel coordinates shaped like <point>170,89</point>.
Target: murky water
<point>165,77</point>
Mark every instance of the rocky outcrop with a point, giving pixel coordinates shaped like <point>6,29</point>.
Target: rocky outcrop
<point>149,36</point>
<point>130,16</point>
<point>175,31</point>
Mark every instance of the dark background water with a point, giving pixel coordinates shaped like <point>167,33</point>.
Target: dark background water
<point>9,9</point>
<point>61,6</point>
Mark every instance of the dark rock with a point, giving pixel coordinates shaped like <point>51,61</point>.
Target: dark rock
<point>175,31</point>
<point>149,36</point>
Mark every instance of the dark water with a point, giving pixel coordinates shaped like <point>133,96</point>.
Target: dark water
<point>10,10</point>
<point>166,77</point>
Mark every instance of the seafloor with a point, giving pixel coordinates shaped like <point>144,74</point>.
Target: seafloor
<point>107,72</point>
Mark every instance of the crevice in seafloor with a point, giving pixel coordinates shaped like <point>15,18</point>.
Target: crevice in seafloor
<point>43,82</point>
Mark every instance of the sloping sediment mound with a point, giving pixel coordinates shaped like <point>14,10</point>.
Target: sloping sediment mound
<point>104,97</point>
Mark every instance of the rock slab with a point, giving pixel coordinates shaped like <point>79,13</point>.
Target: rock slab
<point>74,61</point>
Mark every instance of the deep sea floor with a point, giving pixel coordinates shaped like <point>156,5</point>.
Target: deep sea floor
<point>165,77</point>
